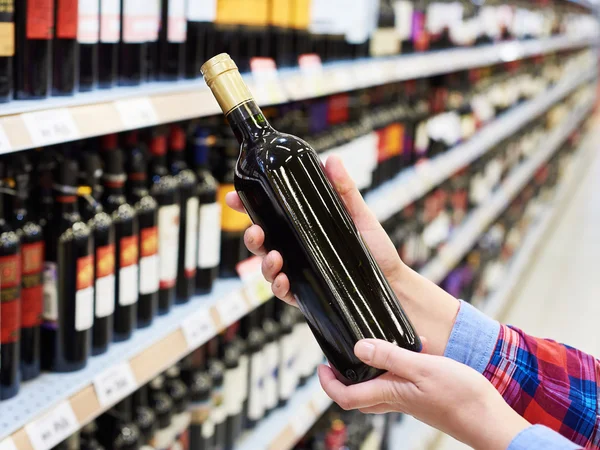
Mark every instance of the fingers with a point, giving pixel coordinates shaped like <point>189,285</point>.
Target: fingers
<point>387,356</point>
<point>233,201</point>
<point>271,265</point>
<point>254,239</point>
<point>281,289</point>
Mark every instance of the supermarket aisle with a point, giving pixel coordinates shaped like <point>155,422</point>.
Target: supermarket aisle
<point>559,296</point>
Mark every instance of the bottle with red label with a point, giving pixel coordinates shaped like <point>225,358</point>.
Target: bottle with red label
<point>188,216</point>
<point>132,47</point>
<point>152,13</point>
<point>34,20</point>
<point>68,278</point>
<point>104,251</point>
<point>165,189</point>
<point>7,49</point>
<point>32,266</point>
<point>88,36</point>
<point>10,304</point>
<point>126,239</point>
<point>146,209</point>
<point>108,47</point>
<point>173,32</point>
<point>65,62</point>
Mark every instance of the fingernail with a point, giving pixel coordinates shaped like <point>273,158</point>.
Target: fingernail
<point>364,350</point>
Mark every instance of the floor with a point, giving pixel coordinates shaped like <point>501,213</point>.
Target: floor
<point>559,297</point>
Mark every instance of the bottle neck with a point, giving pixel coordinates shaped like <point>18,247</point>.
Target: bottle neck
<point>248,122</point>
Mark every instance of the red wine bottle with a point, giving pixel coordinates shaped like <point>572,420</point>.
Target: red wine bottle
<point>272,331</point>
<point>165,189</point>
<point>143,415</point>
<point>188,218</point>
<point>216,370</point>
<point>34,21</point>
<point>126,239</point>
<point>152,12</point>
<point>7,49</point>
<point>10,304</point>
<point>162,405</point>
<point>117,429</point>
<point>103,231</point>
<point>68,278</point>
<point>146,209</point>
<point>279,178</point>
<point>108,48</point>
<point>233,386</point>
<point>178,391</point>
<point>173,32</point>
<point>255,340</point>
<point>32,268</point>
<point>88,35</point>
<point>65,63</point>
<point>199,43</point>
<point>199,386</point>
<point>132,49</point>
<point>209,213</point>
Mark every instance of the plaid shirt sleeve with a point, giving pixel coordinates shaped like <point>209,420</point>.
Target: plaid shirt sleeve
<point>547,383</point>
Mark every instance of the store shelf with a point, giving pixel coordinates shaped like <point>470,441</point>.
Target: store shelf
<point>29,124</point>
<point>466,235</point>
<point>411,184</point>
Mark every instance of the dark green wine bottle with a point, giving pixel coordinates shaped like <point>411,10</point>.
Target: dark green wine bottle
<point>340,288</point>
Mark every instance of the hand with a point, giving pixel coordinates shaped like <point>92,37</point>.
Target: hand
<point>441,392</point>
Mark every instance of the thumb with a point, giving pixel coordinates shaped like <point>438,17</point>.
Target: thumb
<point>346,188</point>
<point>387,356</point>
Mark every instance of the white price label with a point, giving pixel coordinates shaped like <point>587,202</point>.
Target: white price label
<point>114,384</point>
<point>137,112</point>
<point>256,287</point>
<point>198,328</point>
<point>50,127</point>
<point>8,444</point>
<point>52,428</point>
<point>304,418</point>
<point>231,308</point>
<point>5,147</point>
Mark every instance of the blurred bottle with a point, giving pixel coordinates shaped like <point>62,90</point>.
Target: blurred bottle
<point>88,34</point>
<point>200,39</point>
<point>152,12</point>
<point>162,404</point>
<point>108,47</point>
<point>143,415</point>
<point>178,391</point>
<point>65,64</point>
<point>7,50</point>
<point>172,40</point>
<point>132,47</point>
<point>88,439</point>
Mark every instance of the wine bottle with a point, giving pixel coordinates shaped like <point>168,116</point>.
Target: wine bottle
<point>216,370</point>
<point>209,213</point>
<point>152,12</point>
<point>10,304</point>
<point>32,268</point>
<point>7,49</point>
<point>108,48</point>
<point>279,177</point>
<point>200,387</point>
<point>132,47</point>
<point>68,278</point>
<point>287,353</point>
<point>34,20</point>
<point>188,218</point>
<point>281,33</point>
<point>173,32</point>
<point>146,209</point>
<point>272,332</point>
<point>88,34</point>
<point>163,408</point>
<point>103,232</point>
<point>117,430</point>
<point>178,391</point>
<point>65,64</point>
<point>88,437</point>
<point>233,398</point>
<point>255,340</point>
<point>165,189</point>
<point>143,415</point>
<point>126,239</point>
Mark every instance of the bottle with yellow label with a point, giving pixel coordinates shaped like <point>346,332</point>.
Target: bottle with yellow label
<point>227,27</point>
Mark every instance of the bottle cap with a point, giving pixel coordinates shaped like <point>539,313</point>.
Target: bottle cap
<point>109,142</point>
<point>224,80</point>
<point>158,145</point>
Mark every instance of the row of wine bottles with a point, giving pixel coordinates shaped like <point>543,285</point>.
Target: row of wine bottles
<point>60,47</point>
<point>213,396</point>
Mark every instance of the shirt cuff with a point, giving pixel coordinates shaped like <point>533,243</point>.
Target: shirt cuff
<point>538,437</point>
<point>473,338</point>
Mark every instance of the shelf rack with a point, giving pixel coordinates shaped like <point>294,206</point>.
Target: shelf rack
<point>36,123</point>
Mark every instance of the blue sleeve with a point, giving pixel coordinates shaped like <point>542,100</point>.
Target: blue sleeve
<point>538,437</point>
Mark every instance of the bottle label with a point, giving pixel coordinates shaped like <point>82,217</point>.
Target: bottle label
<point>287,381</point>
<point>209,236</point>
<point>151,13</point>
<point>231,389</point>
<point>50,294</point>
<point>177,26</point>
<point>271,368</point>
<point>168,244</point>
<point>202,10</point>
<point>105,281</point>
<point>10,301</point>
<point>7,28</point>
<point>200,411</point>
<point>231,220</point>
<point>88,27</point>
<point>149,264</point>
<point>110,21</point>
<point>191,237</point>
<point>84,296</point>
<point>219,414</point>
<point>243,378</point>
<point>40,19</point>
<point>32,291</point>
<point>255,393</point>
<point>66,19</point>
<point>136,22</point>
<point>128,271</point>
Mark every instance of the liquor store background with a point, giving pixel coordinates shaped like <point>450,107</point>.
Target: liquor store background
<point>132,316</point>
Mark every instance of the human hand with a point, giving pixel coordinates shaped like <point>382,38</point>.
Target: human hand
<point>441,392</point>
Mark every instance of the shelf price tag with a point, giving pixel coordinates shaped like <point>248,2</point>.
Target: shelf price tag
<point>256,287</point>
<point>303,419</point>
<point>8,444</point>
<point>198,328</point>
<point>311,69</point>
<point>50,127</point>
<point>114,384</point>
<point>231,308</point>
<point>5,147</point>
<point>267,86</point>
<point>137,112</point>
<point>52,428</point>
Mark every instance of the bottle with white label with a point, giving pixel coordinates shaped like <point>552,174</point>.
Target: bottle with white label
<point>146,209</point>
<point>216,370</point>
<point>199,384</point>
<point>209,212</point>
<point>133,46</point>
<point>272,331</point>
<point>108,46</point>
<point>199,45</point>
<point>66,335</point>
<point>173,32</point>
<point>88,35</point>
<point>165,189</point>
<point>152,21</point>
<point>385,40</point>
<point>104,252</point>
<point>162,405</point>
<point>126,239</point>
<point>188,215</point>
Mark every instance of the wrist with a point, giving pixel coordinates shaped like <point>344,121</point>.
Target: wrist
<point>498,425</point>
